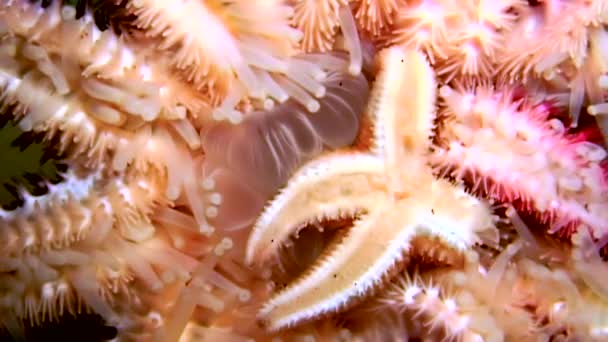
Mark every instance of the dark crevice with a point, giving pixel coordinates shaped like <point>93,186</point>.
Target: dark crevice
<point>85,327</point>
<point>29,163</point>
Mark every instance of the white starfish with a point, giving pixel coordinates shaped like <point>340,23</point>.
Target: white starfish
<point>389,189</point>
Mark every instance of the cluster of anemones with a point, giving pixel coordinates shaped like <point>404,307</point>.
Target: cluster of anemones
<point>178,120</point>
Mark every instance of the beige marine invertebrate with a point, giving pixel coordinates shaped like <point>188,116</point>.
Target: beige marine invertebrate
<point>390,207</point>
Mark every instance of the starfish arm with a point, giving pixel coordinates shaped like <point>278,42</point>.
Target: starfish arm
<point>329,187</point>
<point>402,107</point>
<point>447,212</point>
<point>355,264</point>
<point>367,253</point>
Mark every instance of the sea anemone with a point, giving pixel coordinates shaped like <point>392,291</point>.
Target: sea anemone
<point>96,118</point>
<point>319,20</point>
<point>100,53</point>
<point>441,311</point>
<point>589,83</point>
<point>565,51</point>
<point>228,42</point>
<point>257,48</point>
<point>547,35</point>
<point>459,39</point>
<point>260,153</point>
<point>568,182</point>
<point>423,26</point>
<point>375,16</point>
<point>80,245</point>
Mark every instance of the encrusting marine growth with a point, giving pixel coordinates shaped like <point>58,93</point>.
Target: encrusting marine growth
<point>319,170</point>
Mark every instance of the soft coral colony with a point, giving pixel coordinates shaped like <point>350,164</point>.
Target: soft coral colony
<point>245,170</point>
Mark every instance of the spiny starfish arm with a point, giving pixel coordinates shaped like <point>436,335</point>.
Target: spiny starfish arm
<point>331,186</point>
<point>364,257</point>
<point>356,264</point>
<point>448,212</point>
<point>402,105</point>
